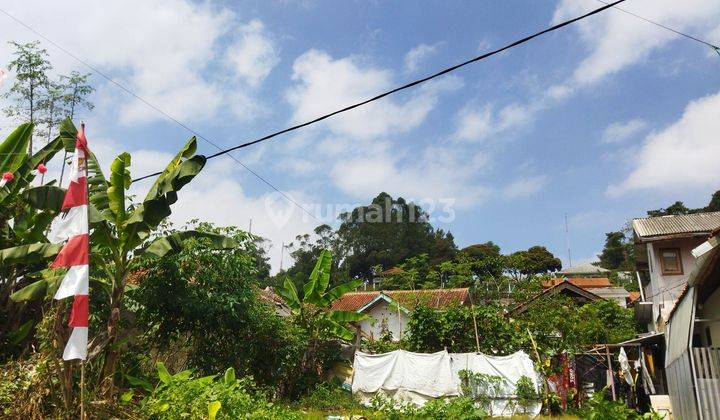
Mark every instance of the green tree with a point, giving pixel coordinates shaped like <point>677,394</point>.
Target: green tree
<point>536,260</point>
<point>613,253</point>
<point>30,66</point>
<point>388,232</point>
<point>213,313</point>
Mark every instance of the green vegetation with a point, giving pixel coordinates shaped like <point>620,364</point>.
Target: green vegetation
<point>173,306</point>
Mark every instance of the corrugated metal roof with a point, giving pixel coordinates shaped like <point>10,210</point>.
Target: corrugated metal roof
<point>434,298</point>
<point>691,224</point>
<point>584,268</point>
<point>581,282</point>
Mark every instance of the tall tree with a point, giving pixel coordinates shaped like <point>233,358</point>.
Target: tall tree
<point>616,254</point>
<point>30,66</point>
<point>387,232</point>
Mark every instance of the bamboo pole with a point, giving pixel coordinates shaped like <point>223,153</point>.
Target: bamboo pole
<point>610,372</point>
<point>472,309</point>
<point>82,390</point>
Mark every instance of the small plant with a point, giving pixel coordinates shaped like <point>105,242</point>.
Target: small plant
<point>182,396</point>
<point>600,408</point>
<point>329,396</point>
<point>463,408</point>
<point>481,387</point>
<point>526,393</point>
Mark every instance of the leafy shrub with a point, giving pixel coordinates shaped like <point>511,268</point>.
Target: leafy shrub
<point>329,396</point>
<point>452,408</point>
<point>600,408</point>
<point>182,396</point>
<point>526,393</point>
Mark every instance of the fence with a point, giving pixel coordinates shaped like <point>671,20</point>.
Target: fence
<point>707,379</point>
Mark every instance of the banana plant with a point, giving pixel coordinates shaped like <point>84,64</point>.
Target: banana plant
<point>25,214</point>
<point>313,309</point>
<point>121,234</point>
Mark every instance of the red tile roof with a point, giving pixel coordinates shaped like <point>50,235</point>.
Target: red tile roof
<point>633,296</point>
<point>392,271</point>
<point>581,282</point>
<point>434,298</point>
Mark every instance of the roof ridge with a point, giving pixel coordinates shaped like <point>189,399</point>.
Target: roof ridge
<point>678,215</point>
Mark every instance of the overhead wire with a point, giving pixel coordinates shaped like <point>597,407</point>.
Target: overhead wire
<point>660,25</point>
<point>307,123</point>
<point>154,107</point>
<point>407,85</point>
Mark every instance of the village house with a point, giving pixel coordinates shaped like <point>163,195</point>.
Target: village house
<point>664,260</point>
<point>693,335</point>
<point>389,310</point>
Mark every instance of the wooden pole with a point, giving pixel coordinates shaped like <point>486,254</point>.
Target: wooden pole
<point>610,372</point>
<point>82,390</point>
<point>472,309</point>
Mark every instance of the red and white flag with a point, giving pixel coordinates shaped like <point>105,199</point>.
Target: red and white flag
<point>72,226</point>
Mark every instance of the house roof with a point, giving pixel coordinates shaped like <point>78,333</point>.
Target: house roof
<point>585,268</point>
<point>633,296</point>
<point>434,298</point>
<point>564,287</point>
<point>651,228</point>
<point>392,271</point>
<point>581,282</point>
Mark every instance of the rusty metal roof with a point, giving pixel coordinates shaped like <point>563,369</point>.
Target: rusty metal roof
<point>434,298</point>
<point>694,224</point>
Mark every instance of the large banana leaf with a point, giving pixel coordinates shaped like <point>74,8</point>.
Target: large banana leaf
<point>163,193</point>
<point>343,317</point>
<point>341,289</point>
<point>24,174</point>
<point>337,330</point>
<point>289,293</point>
<point>45,197</point>
<point>28,253</point>
<point>119,182</point>
<point>319,278</point>
<point>14,149</point>
<point>173,243</point>
<point>39,290</point>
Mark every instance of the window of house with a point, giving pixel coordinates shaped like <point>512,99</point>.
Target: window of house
<point>670,261</point>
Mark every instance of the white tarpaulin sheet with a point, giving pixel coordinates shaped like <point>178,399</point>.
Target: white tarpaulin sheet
<point>419,377</point>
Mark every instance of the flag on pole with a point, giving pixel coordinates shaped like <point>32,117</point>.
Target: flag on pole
<point>71,225</point>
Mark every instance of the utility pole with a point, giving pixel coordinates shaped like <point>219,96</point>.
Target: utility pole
<point>250,228</point>
<point>567,241</point>
<point>282,254</point>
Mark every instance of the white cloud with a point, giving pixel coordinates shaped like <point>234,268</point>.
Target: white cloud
<point>620,131</point>
<point>272,216</point>
<point>325,84</point>
<point>438,173</point>
<point>478,123</point>
<point>683,155</point>
<point>617,40</point>
<point>418,54</point>
<point>254,55</point>
<point>160,50</point>
<point>525,187</point>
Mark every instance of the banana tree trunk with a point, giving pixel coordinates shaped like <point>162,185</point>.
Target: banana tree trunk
<point>112,354</point>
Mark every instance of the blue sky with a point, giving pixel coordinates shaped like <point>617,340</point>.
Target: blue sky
<point>601,120</point>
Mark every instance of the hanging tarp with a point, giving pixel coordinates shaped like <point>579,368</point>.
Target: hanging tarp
<point>403,375</point>
<point>419,377</point>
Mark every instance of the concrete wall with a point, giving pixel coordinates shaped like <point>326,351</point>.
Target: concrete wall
<point>665,289</point>
<point>384,318</point>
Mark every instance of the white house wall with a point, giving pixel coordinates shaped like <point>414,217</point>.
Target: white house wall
<point>665,289</point>
<point>384,317</point>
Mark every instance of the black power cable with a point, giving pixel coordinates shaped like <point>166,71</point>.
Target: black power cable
<point>405,86</point>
